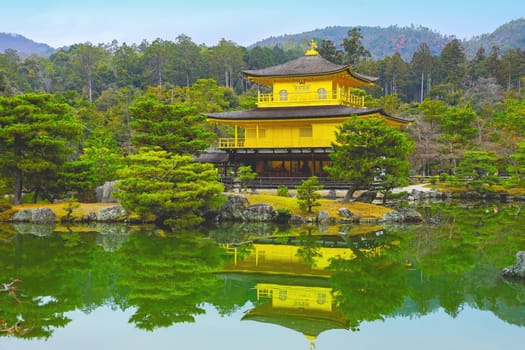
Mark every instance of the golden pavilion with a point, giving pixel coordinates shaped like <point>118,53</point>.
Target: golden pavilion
<point>290,132</point>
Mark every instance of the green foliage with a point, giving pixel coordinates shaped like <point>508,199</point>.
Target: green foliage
<point>307,195</point>
<point>478,171</point>
<point>246,175</point>
<point>367,150</point>
<point>509,116</point>
<point>70,206</point>
<point>328,50</point>
<point>457,131</point>
<point>174,189</point>
<point>99,163</point>
<point>206,96</point>
<point>456,124</point>
<point>175,128</point>
<point>37,135</point>
<point>516,168</point>
<point>453,63</point>
<point>282,191</point>
<point>353,46</point>
<point>78,177</point>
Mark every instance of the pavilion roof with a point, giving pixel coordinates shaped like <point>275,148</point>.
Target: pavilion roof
<point>301,113</point>
<point>309,65</point>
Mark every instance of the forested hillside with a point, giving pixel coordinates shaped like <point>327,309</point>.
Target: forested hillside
<point>508,36</point>
<point>383,42</point>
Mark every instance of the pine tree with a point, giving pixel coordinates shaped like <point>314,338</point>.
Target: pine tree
<point>307,195</point>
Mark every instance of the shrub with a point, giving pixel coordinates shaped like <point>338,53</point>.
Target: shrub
<point>282,191</point>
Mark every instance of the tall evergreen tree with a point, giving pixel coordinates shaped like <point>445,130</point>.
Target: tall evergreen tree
<point>175,128</point>
<point>477,67</point>
<point>187,59</point>
<point>37,134</point>
<point>453,64</point>
<point>354,49</point>
<point>366,150</point>
<point>422,65</point>
<point>329,51</point>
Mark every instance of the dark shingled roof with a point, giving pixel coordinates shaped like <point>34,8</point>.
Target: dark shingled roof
<point>300,113</point>
<point>305,66</point>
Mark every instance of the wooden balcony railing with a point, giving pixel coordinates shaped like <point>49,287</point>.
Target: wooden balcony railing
<point>231,142</point>
<point>310,99</point>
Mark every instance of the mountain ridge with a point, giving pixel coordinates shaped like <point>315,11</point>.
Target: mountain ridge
<point>23,46</point>
<point>385,41</point>
<point>380,41</point>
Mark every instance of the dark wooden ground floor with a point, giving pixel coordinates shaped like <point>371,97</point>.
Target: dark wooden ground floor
<point>283,162</point>
<point>275,167</point>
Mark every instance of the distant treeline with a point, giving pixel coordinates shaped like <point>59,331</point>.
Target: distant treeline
<point>91,69</point>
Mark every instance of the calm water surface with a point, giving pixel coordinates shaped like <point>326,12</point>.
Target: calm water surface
<point>263,286</point>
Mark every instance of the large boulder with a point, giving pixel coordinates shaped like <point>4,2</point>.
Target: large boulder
<point>402,215</point>
<point>35,216</point>
<point>347,215</point>
<point>391,216</point>
<point>104,193</point>
<point>112,214</point>
<point>366,196</point>
<point>259,212</point>
<point>516,271</point>
<point>23,215</point>
<point>233,208</point>
<point>323,217</point>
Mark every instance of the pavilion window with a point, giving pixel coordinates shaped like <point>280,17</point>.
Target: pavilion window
<point>305,132</point>
<point>321,94</point>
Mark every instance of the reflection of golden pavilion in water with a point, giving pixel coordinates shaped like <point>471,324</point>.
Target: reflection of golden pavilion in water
<point>300,299</point>
<point>309,310</point>
<point>281,256</point>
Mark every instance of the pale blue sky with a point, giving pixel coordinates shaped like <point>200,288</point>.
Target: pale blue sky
<point>65,22</point>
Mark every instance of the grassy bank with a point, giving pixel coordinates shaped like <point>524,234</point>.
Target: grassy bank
<point>363,210</point>
<point>59,209</point>
<point>332,206</point>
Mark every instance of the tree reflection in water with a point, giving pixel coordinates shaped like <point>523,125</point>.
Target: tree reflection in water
<point>348,279</point>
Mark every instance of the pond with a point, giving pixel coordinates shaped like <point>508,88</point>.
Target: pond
<point>263,286</point>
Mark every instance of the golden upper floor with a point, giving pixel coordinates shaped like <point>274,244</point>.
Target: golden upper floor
<point>310,80</point>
